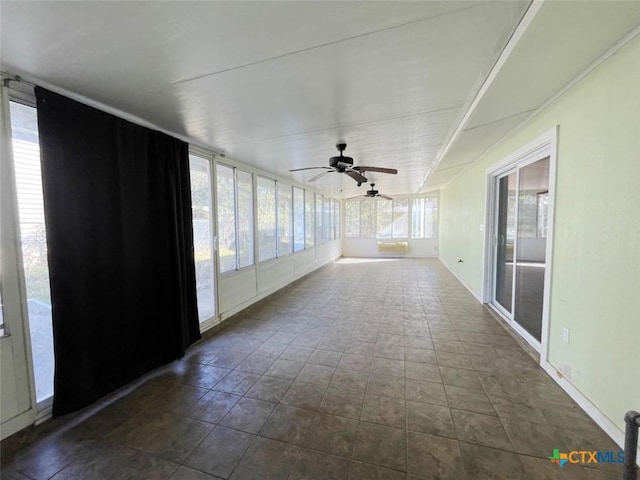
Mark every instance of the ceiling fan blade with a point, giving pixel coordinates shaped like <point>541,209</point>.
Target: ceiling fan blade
<point>309,168</point>
<point>384,196</point>
<point>392,171</point>
<point>319,176</point>
<point>356,176</point>
<point>357,196</point>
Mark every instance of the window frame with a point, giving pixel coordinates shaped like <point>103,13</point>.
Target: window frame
<point>279,254</point>
<point>257,216</point>
<point>236,211</point>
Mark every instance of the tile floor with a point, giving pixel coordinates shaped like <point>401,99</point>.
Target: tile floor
<point>361,370</point>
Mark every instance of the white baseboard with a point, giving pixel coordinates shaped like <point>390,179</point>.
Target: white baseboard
<point>609,427</point>
<point>17,423</point>
<point>464,284</point>
<point>238,308</point>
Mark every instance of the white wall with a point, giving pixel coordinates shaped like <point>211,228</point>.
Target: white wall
<point>238,290</point>
<point>368,247</point>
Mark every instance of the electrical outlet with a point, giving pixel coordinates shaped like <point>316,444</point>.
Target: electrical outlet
<point>565,335</point>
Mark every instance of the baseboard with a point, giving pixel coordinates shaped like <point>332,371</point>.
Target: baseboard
<point>609,427</point>
<point>224,317</point>
<point>17,423</point>
<point>464,284</point>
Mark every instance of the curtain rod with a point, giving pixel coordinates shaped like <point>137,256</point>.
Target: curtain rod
<point>9,77</point>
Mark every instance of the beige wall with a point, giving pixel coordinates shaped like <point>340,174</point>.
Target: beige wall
<point>595,288</point>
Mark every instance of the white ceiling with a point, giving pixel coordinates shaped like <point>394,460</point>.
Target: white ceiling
<point>277,84</point>
<point>563,39</point>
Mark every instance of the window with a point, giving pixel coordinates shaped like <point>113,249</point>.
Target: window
<point>245,218</point>
<point>284,219</point>
<point>352,218</point>
<point>424,217</point>
<point>337,218</point>
<point>226,217</point>
<point>27,167</point>
<point>309,219</point>
<point>400,218</point>
<point>384,218</point>
<point>266,196</point>
<point>326,219</point>
<point>334,211</point>
<point>235,218</point>
<point>200,173</point>
<point>543,214</point>
<point>319,219</point>
<point>367,218</point>
<point>298,219</point>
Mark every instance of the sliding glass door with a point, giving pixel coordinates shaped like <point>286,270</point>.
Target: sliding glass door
<point>520,241</point>
<point>506,221</point>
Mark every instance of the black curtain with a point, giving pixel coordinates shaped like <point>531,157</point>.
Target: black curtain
<point>120,245</point>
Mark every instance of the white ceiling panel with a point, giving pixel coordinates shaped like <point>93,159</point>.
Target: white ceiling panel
<point>474,142</point>
<point>563,40</point>
<point>274,84</point>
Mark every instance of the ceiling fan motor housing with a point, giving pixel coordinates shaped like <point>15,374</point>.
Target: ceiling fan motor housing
<point>340,162</point>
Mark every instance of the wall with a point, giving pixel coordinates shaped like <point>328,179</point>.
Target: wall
<point>368,247</point>
<point>596,244</point>
<point>239,289</point>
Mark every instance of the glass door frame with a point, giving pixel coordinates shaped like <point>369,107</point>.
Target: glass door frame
<point>543,146</point>
<point>495,303</point>
<point>17,338</point>
<point>209,156</point>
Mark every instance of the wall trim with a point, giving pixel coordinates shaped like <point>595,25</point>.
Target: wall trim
<point>17,423</point>
<point>518,33</point>
<point>609,427</point>
<point>464,284</point>
<point>225,316</point>
<point>619,45</point>
<point>536,149</point>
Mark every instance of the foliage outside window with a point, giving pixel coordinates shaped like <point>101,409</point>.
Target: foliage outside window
<point>298,219</point>
<point>319,237</point>
<point>367,218</point>
<point>352,218</point>
<point>384,218</point>
<point>245,218</point>
<point>424,217</point>
<point>338,219</point>
<point>226,217</point>
<point>543,214</point>
<point>309,219</point>
<point>400,225</point>
<point>235,217</point>
<point>266,197</point>
<point>326,220</point>
<point>285,245</point>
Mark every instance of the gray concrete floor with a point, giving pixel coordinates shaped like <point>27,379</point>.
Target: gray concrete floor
<point>361,370</point>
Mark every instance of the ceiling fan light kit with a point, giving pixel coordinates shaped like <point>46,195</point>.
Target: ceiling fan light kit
<point>343,164</point>
<point>373,193</point>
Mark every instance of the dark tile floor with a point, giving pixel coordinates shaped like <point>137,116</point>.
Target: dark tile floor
<point>361,370</point>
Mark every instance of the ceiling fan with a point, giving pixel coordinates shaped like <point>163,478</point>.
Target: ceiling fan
<point>342,164</point>
<point>373,193</point>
